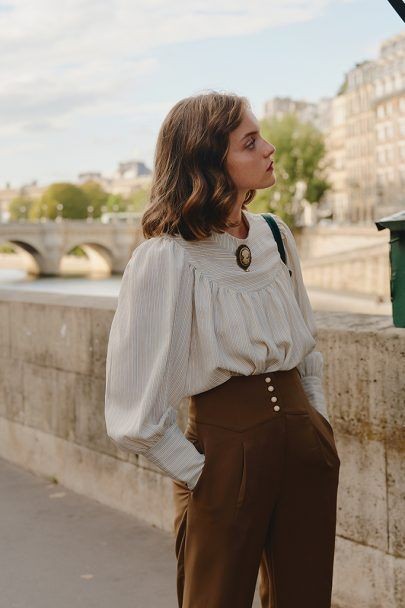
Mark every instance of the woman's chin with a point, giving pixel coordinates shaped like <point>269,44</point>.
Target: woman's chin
<point>270,181</point>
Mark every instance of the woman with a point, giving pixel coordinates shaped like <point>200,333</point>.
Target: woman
<point>208,310</point>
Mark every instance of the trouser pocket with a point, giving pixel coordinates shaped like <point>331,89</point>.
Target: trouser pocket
<point>222,483</point>
<point>325,438</point>
<point>192,435</point>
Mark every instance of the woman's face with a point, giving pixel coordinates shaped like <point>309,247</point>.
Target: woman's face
<point>249,156</point>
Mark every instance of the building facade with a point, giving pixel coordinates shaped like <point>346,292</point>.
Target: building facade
<point>360,148</point>
<point>389,112</point>
<point>336,199</point>
<point>364,131</point>
<point>129,177</point>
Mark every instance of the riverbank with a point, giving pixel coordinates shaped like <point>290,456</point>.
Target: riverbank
<point>71,264</point>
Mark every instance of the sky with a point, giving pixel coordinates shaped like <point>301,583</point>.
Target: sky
<point>86,84</point>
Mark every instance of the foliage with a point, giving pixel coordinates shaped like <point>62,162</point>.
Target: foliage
<point>299,157</point>
<point>76,201</point>
<point>97,197</point>
<point>116,202</point>
<point>78,252</point>
<point>19,207</point>
<point>73,199</point>
<point>7,248</point>
<point>139,199</point>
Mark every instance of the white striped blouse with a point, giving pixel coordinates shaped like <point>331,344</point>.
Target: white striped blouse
<point>187,319</point>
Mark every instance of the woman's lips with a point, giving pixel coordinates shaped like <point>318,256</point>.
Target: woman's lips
<point>270,167</point>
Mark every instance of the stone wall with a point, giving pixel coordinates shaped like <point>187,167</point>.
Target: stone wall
<point>316,241</point>
<point>348,259</point>
<point>52,381</point>
<point>364,271</point>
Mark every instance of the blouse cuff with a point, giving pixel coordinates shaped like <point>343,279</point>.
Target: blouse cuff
<point>175,455</point>
<point>314,390</point>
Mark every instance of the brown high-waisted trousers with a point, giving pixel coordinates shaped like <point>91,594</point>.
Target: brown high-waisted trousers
<point>265,501</point>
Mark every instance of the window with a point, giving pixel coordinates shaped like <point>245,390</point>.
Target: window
<point>380,133</point>
<point>379,89</point>
<point>380,179</point>
<point>381,111</point>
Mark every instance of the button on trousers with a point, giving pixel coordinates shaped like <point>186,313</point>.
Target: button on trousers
<point>265,502</point>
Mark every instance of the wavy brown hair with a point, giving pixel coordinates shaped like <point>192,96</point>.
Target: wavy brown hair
<point>192,193</point>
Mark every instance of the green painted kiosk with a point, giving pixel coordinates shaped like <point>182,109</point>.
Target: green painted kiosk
<point>396,224</point>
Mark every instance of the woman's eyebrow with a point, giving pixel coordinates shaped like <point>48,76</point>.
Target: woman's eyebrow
<point>250,133</point>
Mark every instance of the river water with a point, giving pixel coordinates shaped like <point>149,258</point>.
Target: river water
<point>98,284</point>
<point>95,285</point>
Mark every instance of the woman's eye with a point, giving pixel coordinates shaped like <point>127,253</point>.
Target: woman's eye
<point>251,144</point>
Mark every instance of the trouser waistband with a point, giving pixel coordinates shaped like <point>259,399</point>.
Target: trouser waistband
<point>243,401</point>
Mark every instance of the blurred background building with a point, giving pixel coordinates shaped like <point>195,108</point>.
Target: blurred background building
<point>364,130</point>
<point>129,177</point>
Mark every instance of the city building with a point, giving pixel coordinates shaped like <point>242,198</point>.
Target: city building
<point>360,145</point>
<point>278,107</point>
<point>31,191</point>
<point>389,112</point>
<point>129,177</point>
<point>364,131</point>
<point>336,200</point>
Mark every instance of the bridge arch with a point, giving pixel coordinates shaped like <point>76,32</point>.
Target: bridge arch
<point>99,255</point>
<point>108,247</point>
<point>31,254</point>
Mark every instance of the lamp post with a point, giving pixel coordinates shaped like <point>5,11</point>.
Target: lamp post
<point>90,210</point>
<point>297,200</point>
<point>44,209</point>
<point>115,209</point>
<point>59,209</point>
<point>22,213</point>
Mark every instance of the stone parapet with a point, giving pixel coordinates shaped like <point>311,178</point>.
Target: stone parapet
<point>52,381</point>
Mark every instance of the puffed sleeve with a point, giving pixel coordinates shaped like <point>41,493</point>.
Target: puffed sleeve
<point>311,367</point>
<point>147,358</point>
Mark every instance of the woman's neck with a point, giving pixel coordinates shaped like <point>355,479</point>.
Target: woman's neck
<point>242,230</point>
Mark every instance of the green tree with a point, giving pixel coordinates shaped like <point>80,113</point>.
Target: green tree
<point>73,199</point>
<point>299,156</point>
<point>19,207</point>
<point>97,197</point>
<point>139,199</point>
<point>116,202</point>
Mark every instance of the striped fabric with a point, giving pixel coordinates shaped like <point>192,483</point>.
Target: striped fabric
<point>187,319</point>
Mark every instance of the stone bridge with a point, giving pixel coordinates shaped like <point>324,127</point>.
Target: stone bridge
<point>47,242</point>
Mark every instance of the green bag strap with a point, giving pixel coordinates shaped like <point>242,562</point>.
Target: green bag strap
<point>277,236</point>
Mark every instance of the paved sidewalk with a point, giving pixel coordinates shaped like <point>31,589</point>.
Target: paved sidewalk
<point>62,550</point>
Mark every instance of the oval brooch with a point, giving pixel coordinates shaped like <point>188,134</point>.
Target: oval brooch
<point>243,257</point>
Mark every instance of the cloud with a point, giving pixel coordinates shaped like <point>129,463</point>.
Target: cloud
<point>63,60</point>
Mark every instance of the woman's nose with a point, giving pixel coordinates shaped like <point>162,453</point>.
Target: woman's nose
<point>270,149</point>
